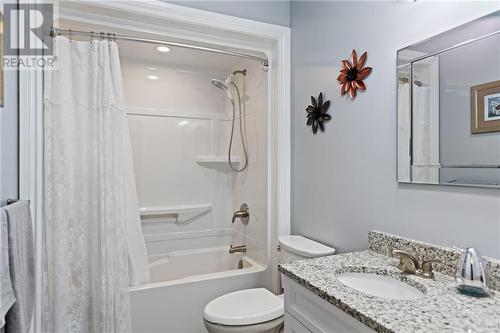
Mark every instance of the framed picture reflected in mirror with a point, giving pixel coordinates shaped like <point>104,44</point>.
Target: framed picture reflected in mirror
<point>485,110</point>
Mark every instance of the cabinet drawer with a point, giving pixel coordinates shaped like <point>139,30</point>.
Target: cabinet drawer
<point>316,314</point>
<point>292,325</point>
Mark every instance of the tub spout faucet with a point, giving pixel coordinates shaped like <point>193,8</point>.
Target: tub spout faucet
<point>243,214</point>
<point>239,248</point>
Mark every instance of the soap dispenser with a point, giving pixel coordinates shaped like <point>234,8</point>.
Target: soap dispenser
<point>470,276</point>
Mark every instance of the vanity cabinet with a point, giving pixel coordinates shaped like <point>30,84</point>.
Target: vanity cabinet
<point>306,312</point>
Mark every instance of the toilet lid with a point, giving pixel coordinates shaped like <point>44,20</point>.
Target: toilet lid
<point>304,246</point>
<point>244,307</point>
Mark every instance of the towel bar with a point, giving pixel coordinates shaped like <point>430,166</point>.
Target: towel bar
<point>10,201</point>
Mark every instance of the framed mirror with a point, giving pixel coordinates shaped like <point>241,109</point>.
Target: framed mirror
<point>449,107</point>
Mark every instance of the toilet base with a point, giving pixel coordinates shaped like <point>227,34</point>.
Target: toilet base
<point>273,326</point>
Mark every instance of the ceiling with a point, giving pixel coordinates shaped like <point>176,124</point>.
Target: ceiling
<point>177,57</point>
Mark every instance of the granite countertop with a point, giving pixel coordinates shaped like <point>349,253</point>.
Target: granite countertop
<point>442,309</point>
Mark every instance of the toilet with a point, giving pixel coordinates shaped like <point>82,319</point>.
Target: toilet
<point>257,310</point>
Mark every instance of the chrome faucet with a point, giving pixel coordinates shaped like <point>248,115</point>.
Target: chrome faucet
<point>410,265</point>
<point>243,214</point>
<point>239,248</point>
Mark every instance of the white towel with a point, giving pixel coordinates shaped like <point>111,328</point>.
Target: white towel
<point>22,267</point>
<point>6,293</point>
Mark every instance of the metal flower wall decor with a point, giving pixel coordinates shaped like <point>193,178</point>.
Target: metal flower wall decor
<point>317,113</point>
<point>352,74</point>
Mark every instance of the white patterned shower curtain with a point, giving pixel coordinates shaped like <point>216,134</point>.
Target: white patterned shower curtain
<point>425,166</point>
<point>92,228</point>
<point>404,133</point>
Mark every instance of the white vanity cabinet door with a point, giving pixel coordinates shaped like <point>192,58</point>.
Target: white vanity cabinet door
<point>314,314</point>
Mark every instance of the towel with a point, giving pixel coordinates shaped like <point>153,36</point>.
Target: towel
<point>6,293</point>
<point>22,267</point>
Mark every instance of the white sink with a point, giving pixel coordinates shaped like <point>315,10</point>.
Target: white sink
<point>380,285</point>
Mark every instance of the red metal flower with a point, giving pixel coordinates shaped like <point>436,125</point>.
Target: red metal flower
<point>352,74</point>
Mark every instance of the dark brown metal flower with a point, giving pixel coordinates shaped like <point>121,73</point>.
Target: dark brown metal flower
<point>317,113</point>
<point>352,74</point>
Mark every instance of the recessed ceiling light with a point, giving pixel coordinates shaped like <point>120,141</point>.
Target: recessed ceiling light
<point>153,77</point>
<point>163,49</point>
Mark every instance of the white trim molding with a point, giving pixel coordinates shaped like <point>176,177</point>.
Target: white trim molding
<point>30,163</point>
<point>157,18</point>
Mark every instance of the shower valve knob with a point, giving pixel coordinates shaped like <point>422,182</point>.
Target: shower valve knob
<point>243,214</point>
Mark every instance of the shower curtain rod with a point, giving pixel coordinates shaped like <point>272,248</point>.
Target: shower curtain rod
<point>105,35</point>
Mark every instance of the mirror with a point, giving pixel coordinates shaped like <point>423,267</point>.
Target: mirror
<point>449,107</point>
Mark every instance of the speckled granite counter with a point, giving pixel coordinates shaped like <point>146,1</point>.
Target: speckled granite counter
<point>442,309</point>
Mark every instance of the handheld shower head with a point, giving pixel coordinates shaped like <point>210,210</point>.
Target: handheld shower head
<point>219,84</point>
<point>224,87</point>
<point>230,87</point>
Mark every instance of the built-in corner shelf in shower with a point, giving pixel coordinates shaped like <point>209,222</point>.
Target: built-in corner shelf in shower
<point>219,163</point>
<point>178,214</point>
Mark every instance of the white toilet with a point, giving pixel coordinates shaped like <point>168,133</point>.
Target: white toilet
<point>258,310</point>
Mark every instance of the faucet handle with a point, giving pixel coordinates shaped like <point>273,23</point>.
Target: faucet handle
<point>426,270</point>
<point>243,214</point>
<point>407,262</point>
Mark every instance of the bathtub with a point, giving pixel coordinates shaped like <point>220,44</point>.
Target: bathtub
<point>183,282</point>
<point>200,264</point>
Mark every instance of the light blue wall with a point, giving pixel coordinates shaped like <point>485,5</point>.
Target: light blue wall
<point>275,12</point>
<point>344,180</point>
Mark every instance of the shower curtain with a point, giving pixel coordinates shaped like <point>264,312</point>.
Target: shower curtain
<point>404,133</point>
<point>425,139</point>
<point>92,233</point>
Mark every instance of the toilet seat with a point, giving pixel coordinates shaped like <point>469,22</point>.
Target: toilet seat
<point>244,307</point>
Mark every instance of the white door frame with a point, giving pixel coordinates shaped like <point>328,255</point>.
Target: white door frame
<point>188,24</point>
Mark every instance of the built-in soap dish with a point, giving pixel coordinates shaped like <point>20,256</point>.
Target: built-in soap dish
<point>219,163</point>
<point>177,214</point>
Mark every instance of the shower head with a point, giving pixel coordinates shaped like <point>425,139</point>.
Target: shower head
<point>230,87</point>
<point>224,87</point>
<point>219,84</point>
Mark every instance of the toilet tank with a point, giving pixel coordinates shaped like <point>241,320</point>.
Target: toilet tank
<point>295,247</point>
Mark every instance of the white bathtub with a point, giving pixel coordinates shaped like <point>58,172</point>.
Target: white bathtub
<point>183,282</point>
<point>199,264</point>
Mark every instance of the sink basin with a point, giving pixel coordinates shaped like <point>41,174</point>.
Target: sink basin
<point>380,285</point>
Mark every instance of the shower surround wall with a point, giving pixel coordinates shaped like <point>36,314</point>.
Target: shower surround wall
<point>250,186</point>
<point>180,119</point>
